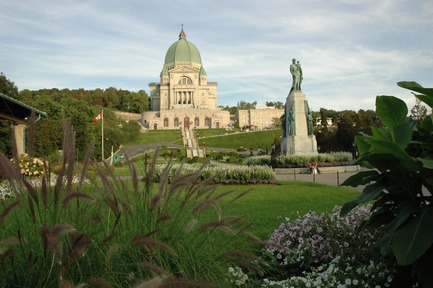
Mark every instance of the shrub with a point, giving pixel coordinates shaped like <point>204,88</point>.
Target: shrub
<point>325,250</point>
<point>324,159</point>
<point>225,174</point>
<point>30,166</point>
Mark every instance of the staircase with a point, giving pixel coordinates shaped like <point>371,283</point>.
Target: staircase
<point>191,144</point>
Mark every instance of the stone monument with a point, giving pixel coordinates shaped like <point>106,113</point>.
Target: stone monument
<point>298,137</point>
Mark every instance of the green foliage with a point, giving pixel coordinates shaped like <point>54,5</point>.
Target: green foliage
<point>277,104</point>
<point>226,174</point>
<point>401,183</point>
<point>232,110</point>
<point>5,132</point>
<point>67,231</point>
<point>347,124</point>
<point>324,159</point>
<point>8,87</point>
<point>243,105</point>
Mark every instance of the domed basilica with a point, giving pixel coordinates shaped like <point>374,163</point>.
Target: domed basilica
<point>184,98</point>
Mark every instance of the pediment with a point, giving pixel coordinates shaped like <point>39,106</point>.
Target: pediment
<point>183,70</point>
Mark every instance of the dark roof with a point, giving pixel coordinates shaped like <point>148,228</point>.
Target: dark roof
<point>13,109</point>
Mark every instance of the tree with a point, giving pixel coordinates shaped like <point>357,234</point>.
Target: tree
<point>8,87</point>
<point>277,122</point>
<point>277,105</point>
<point>346,131</point>
<point>232,110</point>
<point>242,105</point>
<point>365,120</point>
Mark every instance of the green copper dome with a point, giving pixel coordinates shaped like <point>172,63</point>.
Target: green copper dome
<point>182,51</point>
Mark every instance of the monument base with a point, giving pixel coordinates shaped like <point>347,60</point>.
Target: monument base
<point>299,145</point>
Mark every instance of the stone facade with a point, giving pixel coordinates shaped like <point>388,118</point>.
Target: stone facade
<point>184,97</point>
<point>259,118</point>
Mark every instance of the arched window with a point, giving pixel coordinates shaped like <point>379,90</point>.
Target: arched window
<point>184,81</point>
<point>165,122</point>
<point>207,122</point>
<point>196,122</point>
<point>176,122</point>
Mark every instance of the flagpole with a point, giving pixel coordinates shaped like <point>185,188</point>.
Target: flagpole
<point>102,135</point>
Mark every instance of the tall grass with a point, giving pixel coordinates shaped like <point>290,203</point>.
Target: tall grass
<point>118,233</point>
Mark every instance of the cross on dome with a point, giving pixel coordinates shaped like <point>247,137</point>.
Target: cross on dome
<point>182,34</point>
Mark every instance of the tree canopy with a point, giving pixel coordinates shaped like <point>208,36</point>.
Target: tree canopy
<point>80,107</point>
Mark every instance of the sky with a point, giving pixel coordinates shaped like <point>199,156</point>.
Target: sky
<point>350,50</point>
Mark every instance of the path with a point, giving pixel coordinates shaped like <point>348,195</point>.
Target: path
<point>331,179</point>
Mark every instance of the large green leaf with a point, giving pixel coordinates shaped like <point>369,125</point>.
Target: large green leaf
<point>361,144</point>
<point>426,99</point>
<point>369,193</point>
<point>391,110</point>
<point>387,147</point>
<point>426,163</point>
<point>382,162</point>
<point>403,134</point>
<point>381,133</point>
<point>412,239</point>
<point>404,211</point>
<point>427,125</point>
<point>361,178</point>
<point>414,86</point>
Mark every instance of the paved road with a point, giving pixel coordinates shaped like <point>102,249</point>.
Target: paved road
<point>332,179</point>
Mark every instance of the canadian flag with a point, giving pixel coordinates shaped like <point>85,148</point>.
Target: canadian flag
<point>97,118</point>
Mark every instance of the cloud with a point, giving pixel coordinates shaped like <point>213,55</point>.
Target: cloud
<point>350,51</point>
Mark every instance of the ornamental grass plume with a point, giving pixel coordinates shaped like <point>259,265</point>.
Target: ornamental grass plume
<point>119,232</point>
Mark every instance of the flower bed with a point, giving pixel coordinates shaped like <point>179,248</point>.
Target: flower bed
<point>297,161</point>
<point>224,174</point>
<point>326,250</point>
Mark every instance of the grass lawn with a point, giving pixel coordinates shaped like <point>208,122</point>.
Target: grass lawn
<point>213,138</point>
<point>265,203</point>
<point>172,136</point>
<point>258,139</point>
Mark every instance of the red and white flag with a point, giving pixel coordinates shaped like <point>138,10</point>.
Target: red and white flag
<point>97,118</point>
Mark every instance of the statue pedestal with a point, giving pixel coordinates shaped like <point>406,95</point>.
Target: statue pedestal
<point>300,140</point>
<point>299,145</point>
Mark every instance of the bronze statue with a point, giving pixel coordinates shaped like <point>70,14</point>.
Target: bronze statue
<point>289,121</point>
<point>297,76</point>
<point>309,118</point>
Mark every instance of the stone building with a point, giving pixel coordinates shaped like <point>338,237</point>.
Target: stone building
<point>259,118</point>
<point>183,97</point>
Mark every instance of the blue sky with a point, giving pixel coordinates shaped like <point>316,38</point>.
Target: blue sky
<point>350,50</point>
